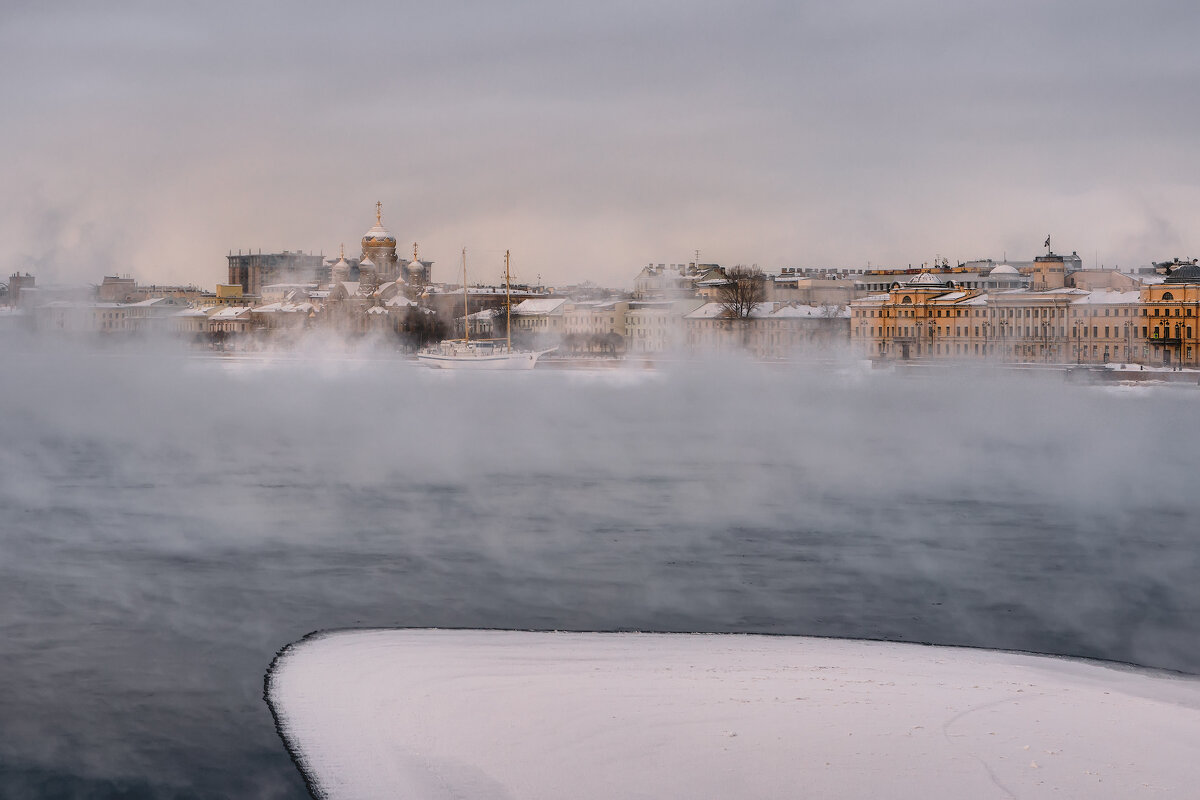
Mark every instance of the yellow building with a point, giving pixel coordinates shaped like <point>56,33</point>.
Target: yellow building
<point>928,317</point>
<point>1168,317</point>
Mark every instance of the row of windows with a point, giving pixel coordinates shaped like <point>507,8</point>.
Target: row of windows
<point>1033,330</point>
<point>1036,313</point>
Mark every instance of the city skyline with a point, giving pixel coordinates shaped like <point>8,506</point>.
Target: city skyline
<point>592,140</point>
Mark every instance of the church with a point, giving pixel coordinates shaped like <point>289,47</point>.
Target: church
<point>379,264</point>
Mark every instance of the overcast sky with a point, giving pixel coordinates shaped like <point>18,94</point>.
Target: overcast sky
<point>151,138</point>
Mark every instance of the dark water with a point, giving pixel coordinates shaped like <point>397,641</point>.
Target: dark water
<point>168,525</point>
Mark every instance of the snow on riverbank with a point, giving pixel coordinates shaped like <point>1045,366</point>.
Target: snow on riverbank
<point>494,714</point>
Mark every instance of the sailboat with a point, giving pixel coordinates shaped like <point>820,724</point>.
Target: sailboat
<point>466,353</point>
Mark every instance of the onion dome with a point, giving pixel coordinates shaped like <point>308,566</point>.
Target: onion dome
<point>378,235</point>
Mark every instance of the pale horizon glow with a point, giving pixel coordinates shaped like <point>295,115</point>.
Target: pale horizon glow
<point>590,140</point>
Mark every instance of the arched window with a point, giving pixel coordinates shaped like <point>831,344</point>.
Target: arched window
<point>1168,296</point>
<point>907,301</point>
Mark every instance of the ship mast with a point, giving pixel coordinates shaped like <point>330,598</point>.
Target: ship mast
<point>507,305</point>
<point>466,308</point>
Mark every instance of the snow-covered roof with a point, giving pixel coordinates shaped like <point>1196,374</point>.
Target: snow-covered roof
<point>231,312</point>
<point>707,311</point>
<point>399,301</point>
<point>872,298</point>
<point>950,296</point>
<point>810,312</point>
<point>285,308</point>
<point>925,279</point>
<point>1109,298</point>
<point>1003,269</point>
<point>539,305</point>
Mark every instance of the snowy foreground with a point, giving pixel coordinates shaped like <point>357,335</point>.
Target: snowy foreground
<point>493,714</point>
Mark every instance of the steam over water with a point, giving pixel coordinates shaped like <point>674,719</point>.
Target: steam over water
<point>168,523</point>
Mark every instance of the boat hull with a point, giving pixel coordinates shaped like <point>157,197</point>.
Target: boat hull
<point>497,361</point>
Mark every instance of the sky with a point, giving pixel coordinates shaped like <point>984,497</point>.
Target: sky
<point>151,139</point>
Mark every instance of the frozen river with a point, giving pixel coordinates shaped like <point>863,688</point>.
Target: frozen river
<point>168,523</point>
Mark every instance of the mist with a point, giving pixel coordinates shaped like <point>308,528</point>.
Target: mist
<point>170,522</point>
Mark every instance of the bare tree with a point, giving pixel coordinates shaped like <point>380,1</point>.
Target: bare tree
<point>744,290</point>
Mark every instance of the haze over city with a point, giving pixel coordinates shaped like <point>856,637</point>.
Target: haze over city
<point>591,139</point>
<point>830,436</point>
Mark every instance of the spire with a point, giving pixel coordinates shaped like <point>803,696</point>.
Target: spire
<point>379,212</point>
<point>415,253</point>
<point>342,251</point>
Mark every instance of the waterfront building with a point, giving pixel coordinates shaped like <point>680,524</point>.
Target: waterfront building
<point>929,317</point>
<point>658,326</point>
<point>540,320</point>
<point>772,331</point>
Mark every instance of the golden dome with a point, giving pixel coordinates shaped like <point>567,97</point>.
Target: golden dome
<point>378,235</point>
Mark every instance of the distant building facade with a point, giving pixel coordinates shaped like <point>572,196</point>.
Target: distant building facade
<point>253,271</point>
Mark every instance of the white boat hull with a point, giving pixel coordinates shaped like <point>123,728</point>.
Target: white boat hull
<point>468,361</point>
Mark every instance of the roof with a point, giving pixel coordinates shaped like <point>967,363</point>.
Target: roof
<point>810,312</point>
<point>539,305</point>
<point>1109,298</point>
<point>285,308</point>
<point>231,312</point>
<point>1188,273</point>
<point>708,311</point>
<point>925,279</point>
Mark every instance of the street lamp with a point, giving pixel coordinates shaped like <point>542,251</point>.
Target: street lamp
<point>987,326</point>
<point>1005,326</point>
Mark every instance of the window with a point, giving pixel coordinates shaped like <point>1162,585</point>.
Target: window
<point>1168,296</point>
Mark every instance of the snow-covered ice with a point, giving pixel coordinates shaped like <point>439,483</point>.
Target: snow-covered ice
<point>496,714</point>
